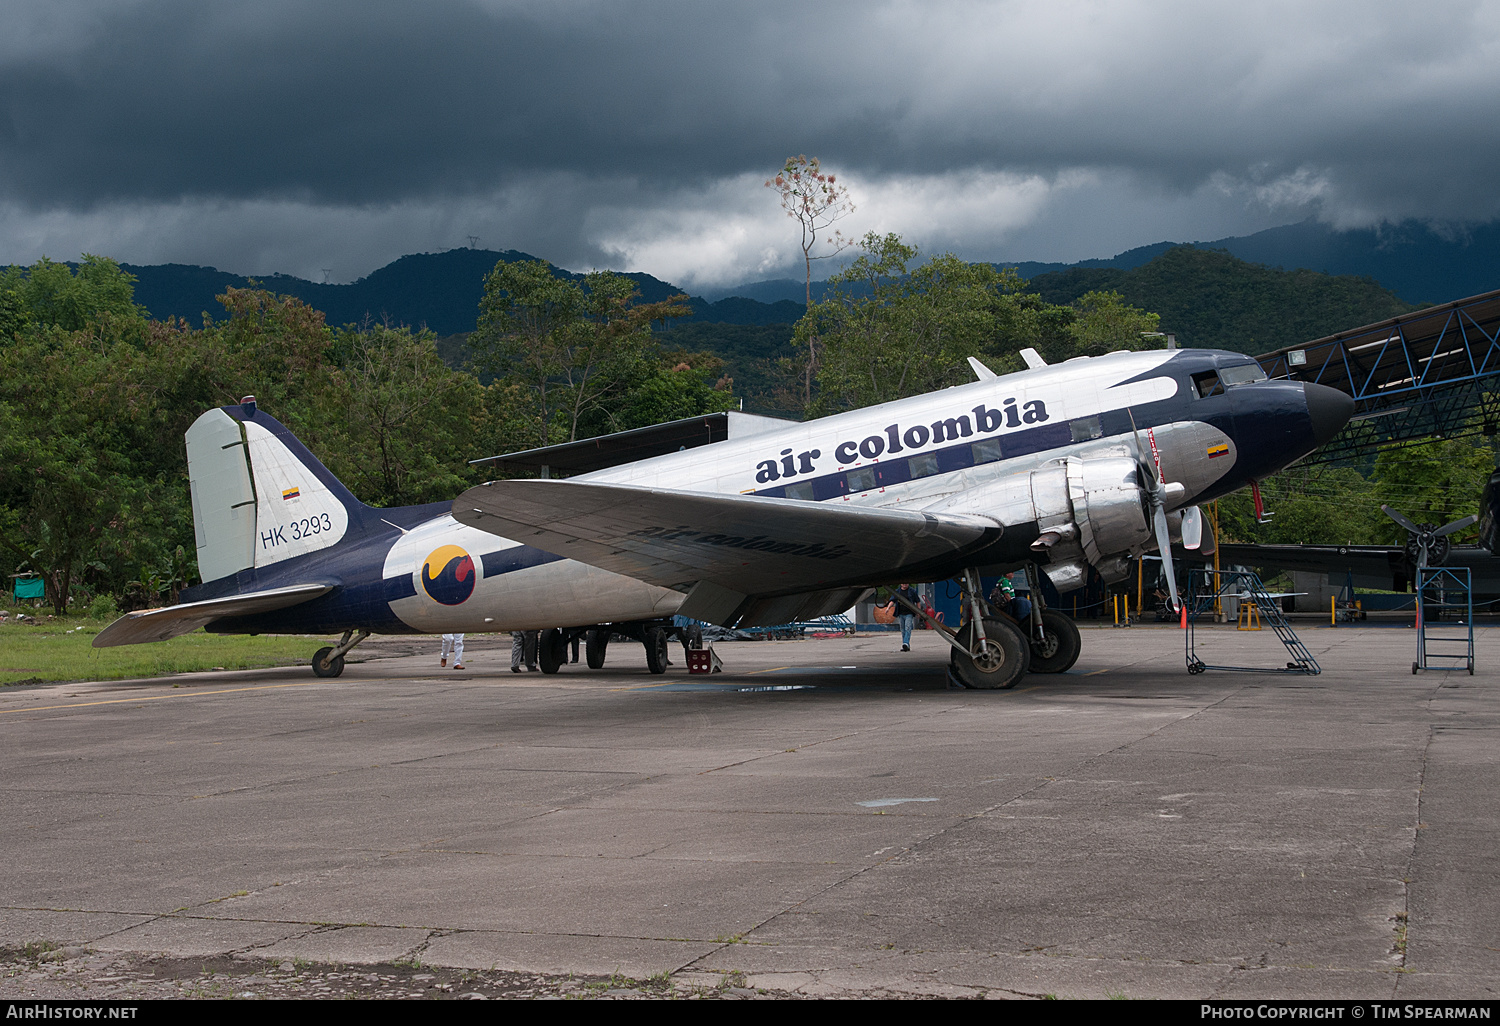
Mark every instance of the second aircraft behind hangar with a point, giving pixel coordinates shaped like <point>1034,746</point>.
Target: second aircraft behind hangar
<point>1077,465</point>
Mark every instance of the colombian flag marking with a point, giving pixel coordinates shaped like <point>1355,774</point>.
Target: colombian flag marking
<point>290,493</point>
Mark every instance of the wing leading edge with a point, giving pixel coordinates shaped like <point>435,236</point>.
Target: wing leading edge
<point>727,552</point>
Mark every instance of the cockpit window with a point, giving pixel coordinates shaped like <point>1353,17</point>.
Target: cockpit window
<point>1241,375</point>
<point>1207,384</point>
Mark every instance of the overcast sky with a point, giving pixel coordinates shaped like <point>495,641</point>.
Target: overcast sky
<point>294,136</point>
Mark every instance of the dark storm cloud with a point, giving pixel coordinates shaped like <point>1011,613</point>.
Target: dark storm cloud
<point>452,113</point>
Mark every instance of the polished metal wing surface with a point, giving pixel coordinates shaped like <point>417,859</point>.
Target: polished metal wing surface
<point>751,544</point>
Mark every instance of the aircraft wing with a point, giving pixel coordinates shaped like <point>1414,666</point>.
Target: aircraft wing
<point>742,545</point>
<point>1380,562</point>
<point>160,624</point>
<point>1373,566</point>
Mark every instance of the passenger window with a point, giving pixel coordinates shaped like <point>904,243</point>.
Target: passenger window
<point>801,490</point>
<point>922,466</point>
<point>987,451</point>
<point>1207,384</point>
<point>861,480</point>
<point>1086,428</point>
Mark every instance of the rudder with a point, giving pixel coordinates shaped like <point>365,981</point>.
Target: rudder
<point>259,497</point>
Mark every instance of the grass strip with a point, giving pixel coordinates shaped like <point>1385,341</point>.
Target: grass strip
<point>61,649</point>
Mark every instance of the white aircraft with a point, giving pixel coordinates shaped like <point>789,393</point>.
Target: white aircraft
<point>1056,469</point>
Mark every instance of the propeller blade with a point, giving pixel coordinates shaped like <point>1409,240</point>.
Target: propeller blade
<point>1140,449</point>
<point>1192,528</point>
<point>1164,546</point>
<point>1398,518</point>
<point>1457,525</point>
<point>1210,544</point>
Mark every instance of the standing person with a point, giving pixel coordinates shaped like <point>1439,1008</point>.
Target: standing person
<point>522,646</point>
<point>454,644</point>
<point>905,616</point>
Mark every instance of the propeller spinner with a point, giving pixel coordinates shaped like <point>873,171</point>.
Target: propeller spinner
<point>1427,545</point>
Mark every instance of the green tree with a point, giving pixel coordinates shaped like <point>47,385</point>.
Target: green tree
<point>400,425</point>
<point>1310,505</point>
<point>569,348</point>
<point>53,294</point>
<point>1435,482</point>
<point>1103,323</point>
<point>886,330</point>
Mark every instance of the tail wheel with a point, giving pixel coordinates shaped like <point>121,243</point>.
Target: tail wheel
<point>656,650</point>
<point>1000,663</point>
<point>594,647</point>
<point>551,650</point>
<point>1059,651</point>
<point>325,667</point>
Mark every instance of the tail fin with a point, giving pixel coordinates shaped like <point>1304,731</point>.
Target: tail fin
<point>259,497</point>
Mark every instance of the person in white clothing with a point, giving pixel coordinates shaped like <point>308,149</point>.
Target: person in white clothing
<point>454,644</point>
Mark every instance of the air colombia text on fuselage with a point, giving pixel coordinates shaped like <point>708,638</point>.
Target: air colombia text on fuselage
<point>986,419</point>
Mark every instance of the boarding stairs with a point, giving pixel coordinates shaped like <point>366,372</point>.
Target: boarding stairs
<point>1205,587</point>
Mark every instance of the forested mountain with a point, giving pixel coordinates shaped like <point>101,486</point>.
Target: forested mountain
<point>1215,300</point>
<point>439,291</point>
<point>1206,298</point>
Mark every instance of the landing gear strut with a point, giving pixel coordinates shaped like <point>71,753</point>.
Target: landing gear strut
<point>1055,641</point>
<point>989,652</point>
<point>329,662</point>
<point>655,635</point>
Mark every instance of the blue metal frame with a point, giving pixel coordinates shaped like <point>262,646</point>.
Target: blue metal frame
<point>1427,373</point>
<point>1436,588</point>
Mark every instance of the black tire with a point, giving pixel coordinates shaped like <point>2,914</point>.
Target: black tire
<point>551,650</point>
<point>1009,656</point>
<point>1060,651</point>
<point>325,667</point>
<point>594,647</point>
<point>656,650</point>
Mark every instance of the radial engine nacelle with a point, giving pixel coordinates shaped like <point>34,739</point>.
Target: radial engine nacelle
<point>1086,512</point>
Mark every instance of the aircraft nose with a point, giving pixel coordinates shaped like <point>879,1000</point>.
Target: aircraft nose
<point>1328,408</point>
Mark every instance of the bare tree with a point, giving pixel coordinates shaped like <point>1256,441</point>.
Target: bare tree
<point>815,201</point>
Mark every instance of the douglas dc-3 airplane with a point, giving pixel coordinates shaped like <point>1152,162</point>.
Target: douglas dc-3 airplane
<point>1056,469</point>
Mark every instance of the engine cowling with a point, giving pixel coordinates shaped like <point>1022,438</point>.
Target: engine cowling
<point>1086,512</point>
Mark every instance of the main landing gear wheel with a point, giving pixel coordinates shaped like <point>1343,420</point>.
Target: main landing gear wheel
<point>594,646</point>
<point>1060,649</point>
<point>551,650</point>
<point>325,667</point>
<point>656,650</point>
<point>1001,662</point>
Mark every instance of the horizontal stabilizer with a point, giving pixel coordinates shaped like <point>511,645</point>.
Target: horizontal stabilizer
<point>750,545</point>
<point>160,624</point>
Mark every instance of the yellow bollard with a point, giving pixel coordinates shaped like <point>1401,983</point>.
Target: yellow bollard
<point>1333,612</point>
